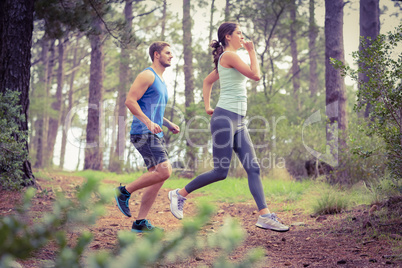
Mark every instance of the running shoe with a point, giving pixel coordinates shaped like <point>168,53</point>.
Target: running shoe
<point>271,222</point>
<point>122,197</point>
<point>176,203</point>
<point>144,226</point>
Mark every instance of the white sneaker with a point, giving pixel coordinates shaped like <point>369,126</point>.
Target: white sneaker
<point>176,203</point>
<point>271,223</point>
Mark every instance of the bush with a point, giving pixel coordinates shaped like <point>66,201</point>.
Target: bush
<point>380,61</point>
<point>20,239</point>
<point>366,158</point>
<point>12,141</point>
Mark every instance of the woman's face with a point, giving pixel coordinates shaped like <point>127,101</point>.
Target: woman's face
<point>236,38</point>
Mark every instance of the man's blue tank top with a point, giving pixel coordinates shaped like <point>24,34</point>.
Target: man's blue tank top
<point>153,104</point>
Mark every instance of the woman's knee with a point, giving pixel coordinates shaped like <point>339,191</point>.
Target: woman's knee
<point>253,169</point>
<point>221,174</point>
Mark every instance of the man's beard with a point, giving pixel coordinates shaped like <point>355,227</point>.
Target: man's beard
<point>165,64</point>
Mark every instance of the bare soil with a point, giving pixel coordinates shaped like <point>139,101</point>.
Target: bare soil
<point>355,238</point>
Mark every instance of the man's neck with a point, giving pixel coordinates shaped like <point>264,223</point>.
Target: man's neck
<point>158,68</point>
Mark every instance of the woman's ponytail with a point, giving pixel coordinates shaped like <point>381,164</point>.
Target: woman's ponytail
<point>226,28</point>
<point>217,51</point>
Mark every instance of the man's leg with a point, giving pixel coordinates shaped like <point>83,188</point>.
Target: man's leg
<point>155,175</point>
<point>148,199</point>
<point>162,170</point>
<point>151,192</point>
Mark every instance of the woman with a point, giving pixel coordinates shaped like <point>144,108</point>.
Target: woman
<point>228,128</point>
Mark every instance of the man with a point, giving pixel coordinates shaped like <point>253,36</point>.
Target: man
<point>147,100</point>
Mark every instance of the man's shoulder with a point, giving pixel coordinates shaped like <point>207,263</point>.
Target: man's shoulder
<point>146,73</point>
<point>147,76</point>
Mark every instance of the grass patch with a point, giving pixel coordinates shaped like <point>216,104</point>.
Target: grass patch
<point>234,190</point>
<point>313,196</point>
<point>43,174</point>
<point>230,190</point>
<point>331,202</point>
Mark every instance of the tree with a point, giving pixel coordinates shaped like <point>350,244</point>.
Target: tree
<point>116,165</point>
<point>266,17</point>
<point>227,10</point>
<point>369,29</point>
<point>294,53</point>
<point>335,98</point>
<point>55,112</point>
<point>94,143</point>
<point>188,77</point>
<point>312,36</point>
<point>69,103</point>
<point>164,18</point>
<point>43,92</point>
<point>382,63</point>
<point>16,26</point>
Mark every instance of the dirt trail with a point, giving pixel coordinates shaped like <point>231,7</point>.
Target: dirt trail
<point>343,240</point>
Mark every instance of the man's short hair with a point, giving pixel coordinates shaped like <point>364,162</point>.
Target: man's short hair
<point>157,46</point>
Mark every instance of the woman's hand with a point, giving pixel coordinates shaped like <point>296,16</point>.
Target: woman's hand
<point>248,45</point>
<point>210,111</point>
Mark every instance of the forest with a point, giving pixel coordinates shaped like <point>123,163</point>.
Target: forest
<point>71,76</point>
<point>85,55</point>
<point>328,107</point>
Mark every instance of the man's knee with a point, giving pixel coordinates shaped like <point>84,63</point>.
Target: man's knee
<point>164,170</point>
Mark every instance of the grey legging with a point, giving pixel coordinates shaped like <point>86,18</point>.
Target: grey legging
<point>229,132</point>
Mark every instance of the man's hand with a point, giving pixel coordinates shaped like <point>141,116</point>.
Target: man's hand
<point>154,128</point>
<point>174,128</point>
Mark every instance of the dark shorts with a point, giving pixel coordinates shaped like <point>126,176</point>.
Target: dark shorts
<point>151,147</point>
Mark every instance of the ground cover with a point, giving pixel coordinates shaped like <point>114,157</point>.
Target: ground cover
<point>361,236</point>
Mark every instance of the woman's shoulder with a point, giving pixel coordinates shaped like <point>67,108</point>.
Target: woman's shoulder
<point>229,59</point>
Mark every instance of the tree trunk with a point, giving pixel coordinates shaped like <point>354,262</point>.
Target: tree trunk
<point>188,77</point>
<point>215,88</point>
<point>293,48</point>
<point>46,117</point>
<point>369,28</point>
<point>335,85</point>
<point>16,26</point>
<point>227,10</point>
<point>211,23</point>
<point>40,138</point>
<point>70,102</point>
<point>163,21</point>
<point>168,135</point>
<point>54,122</point>
<point>94,142</point>
<point>116,163</point>
<point>312,36</point>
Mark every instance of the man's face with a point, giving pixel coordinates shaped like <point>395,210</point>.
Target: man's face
<point>166,57</point>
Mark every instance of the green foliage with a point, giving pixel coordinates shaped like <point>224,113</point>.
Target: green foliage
<point>330,202</point>
<point>158,249</point>
<point>12,141</point>
<point>20,238</point>
<point>383,189</point>
<point>366,158</point>
<point>380,62</point>
<point>233,190</point>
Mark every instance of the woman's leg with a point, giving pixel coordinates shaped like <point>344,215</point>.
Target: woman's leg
<point>222,142</point>
<point>245,151</point>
